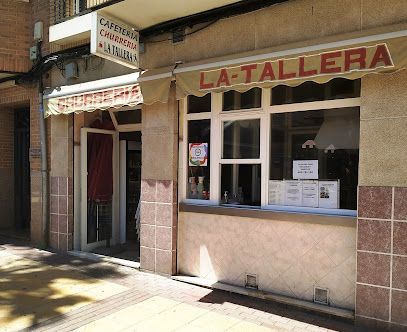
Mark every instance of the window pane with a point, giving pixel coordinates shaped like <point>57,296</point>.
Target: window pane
<point>199,104</point>
<point>128,117</point>
<point>233,100</point>
<point>241,184</point>
<point>337,88</point>
<point>241,139</point>
<point>319,150</point>
<point>198,166</point>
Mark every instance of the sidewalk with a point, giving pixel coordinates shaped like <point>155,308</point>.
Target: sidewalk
<point>44,291</point>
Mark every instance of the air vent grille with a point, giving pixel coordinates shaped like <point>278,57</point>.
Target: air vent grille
<point>251,281</point>
<point>321,295</point>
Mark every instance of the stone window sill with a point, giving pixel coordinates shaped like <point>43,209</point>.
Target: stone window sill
<point>257,213</point>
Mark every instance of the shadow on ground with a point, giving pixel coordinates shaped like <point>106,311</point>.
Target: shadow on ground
<point>283,310</point>
<point>37,285</point>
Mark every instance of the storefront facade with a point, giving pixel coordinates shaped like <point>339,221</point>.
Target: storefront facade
<point>273,155</point>
<point>284,177</point>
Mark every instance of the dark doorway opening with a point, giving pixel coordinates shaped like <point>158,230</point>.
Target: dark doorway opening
<point>22,188</point>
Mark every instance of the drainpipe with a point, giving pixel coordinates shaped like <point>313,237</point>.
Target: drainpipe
<point>44,161</point>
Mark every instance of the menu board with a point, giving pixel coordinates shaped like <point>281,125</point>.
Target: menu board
<point>307,193</point>
<point>310,193</point>
<point>293,192</point>
<point>328,194</point>
<point>276,192</point>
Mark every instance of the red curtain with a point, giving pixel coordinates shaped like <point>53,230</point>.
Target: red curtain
<point>100,168</point>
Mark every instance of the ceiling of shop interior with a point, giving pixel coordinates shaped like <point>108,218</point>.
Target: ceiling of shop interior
<point>142,14</point>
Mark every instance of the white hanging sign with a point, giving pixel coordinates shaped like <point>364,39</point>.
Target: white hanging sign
<point>114,41</point>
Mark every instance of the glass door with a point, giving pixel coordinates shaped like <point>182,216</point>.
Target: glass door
<point>99,181</point>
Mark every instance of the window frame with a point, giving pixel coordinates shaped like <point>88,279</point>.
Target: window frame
<point>217,117</point>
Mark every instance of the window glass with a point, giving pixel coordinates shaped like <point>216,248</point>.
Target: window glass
<point>241,139</point>
<point>314,157</point>
<point>128,117</point>
<point>233,100</point>
<point>337,88</point>
<point>198,159</point>
<point>199,104</point>
<point>241,184</point>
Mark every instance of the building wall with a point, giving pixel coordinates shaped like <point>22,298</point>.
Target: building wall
<point>15,36</point>
<point>381,290</point>
<point>18,18</point>
<point>7,167</point>
<point>158,215</point>
<point>268,28</point>
<point>289,257</point>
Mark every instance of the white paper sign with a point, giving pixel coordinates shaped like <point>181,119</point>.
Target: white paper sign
<point>276,192</point>
<point>329,194</point>
<point>310,193</point>
<point>293,193</point>
<point>305,169</point>
<point>114,40</point>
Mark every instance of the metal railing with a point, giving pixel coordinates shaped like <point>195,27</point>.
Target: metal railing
<point>64,9</point>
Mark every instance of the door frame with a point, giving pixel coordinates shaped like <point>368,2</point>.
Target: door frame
<point>84,189</point>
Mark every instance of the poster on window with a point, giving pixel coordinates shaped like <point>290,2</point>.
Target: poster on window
<point>329,194</point>
<point>305,169</point>
<point>198,154</point>
<point>276,192</point>
<point>310,193</point>
<point>293,193</point>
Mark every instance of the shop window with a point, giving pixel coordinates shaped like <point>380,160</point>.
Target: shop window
<point>241,184</point>
<point>314,157</point>
<point>233,100</point>
<point>338,88</point>
<point>241,139</point>
<point>199,159</point>
<point>128,117</point>
<point>199,104</point>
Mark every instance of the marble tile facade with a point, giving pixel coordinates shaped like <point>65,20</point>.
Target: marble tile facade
<point>381,288</point>
<point>289,258</point>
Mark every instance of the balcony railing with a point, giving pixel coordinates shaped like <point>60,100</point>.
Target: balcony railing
<point>64,9</point>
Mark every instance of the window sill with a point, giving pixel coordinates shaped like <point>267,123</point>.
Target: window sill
<point>268,214</point>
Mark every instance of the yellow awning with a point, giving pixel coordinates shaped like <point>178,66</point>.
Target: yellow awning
<point>129,95</point>
<point>155,85</point>
<point>351,62</point>
<point>349,56</point>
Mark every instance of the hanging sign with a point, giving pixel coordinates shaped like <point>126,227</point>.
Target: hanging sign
<point>114,41</point>
<point>198,154</point>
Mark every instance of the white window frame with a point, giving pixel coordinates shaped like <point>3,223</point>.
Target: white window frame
<point>125,127</point>
<point>217,116</point>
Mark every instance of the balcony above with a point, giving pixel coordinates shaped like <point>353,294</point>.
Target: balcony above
<point>72,18</point>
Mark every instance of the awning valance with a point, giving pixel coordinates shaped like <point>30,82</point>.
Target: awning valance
<point>155,85</point>
<point>295,66</point>
<point>128,95</point>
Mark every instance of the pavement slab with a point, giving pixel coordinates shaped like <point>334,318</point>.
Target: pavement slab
<point>46,291</point>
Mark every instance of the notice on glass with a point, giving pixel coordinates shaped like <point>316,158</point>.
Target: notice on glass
<point>198,154</point>
<point>305,169</point>
<point>293,193</point>
<point>329,194</point>
<point>276,192</point>
<point>310,193</point>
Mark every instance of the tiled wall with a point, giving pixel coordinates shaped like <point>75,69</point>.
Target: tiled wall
<point>61,220</point>
<point>381,290</point>
<point>289,257</point>
<point>158,239</point>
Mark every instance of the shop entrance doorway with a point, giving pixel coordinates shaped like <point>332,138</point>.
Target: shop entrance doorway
<point>110,187</point>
